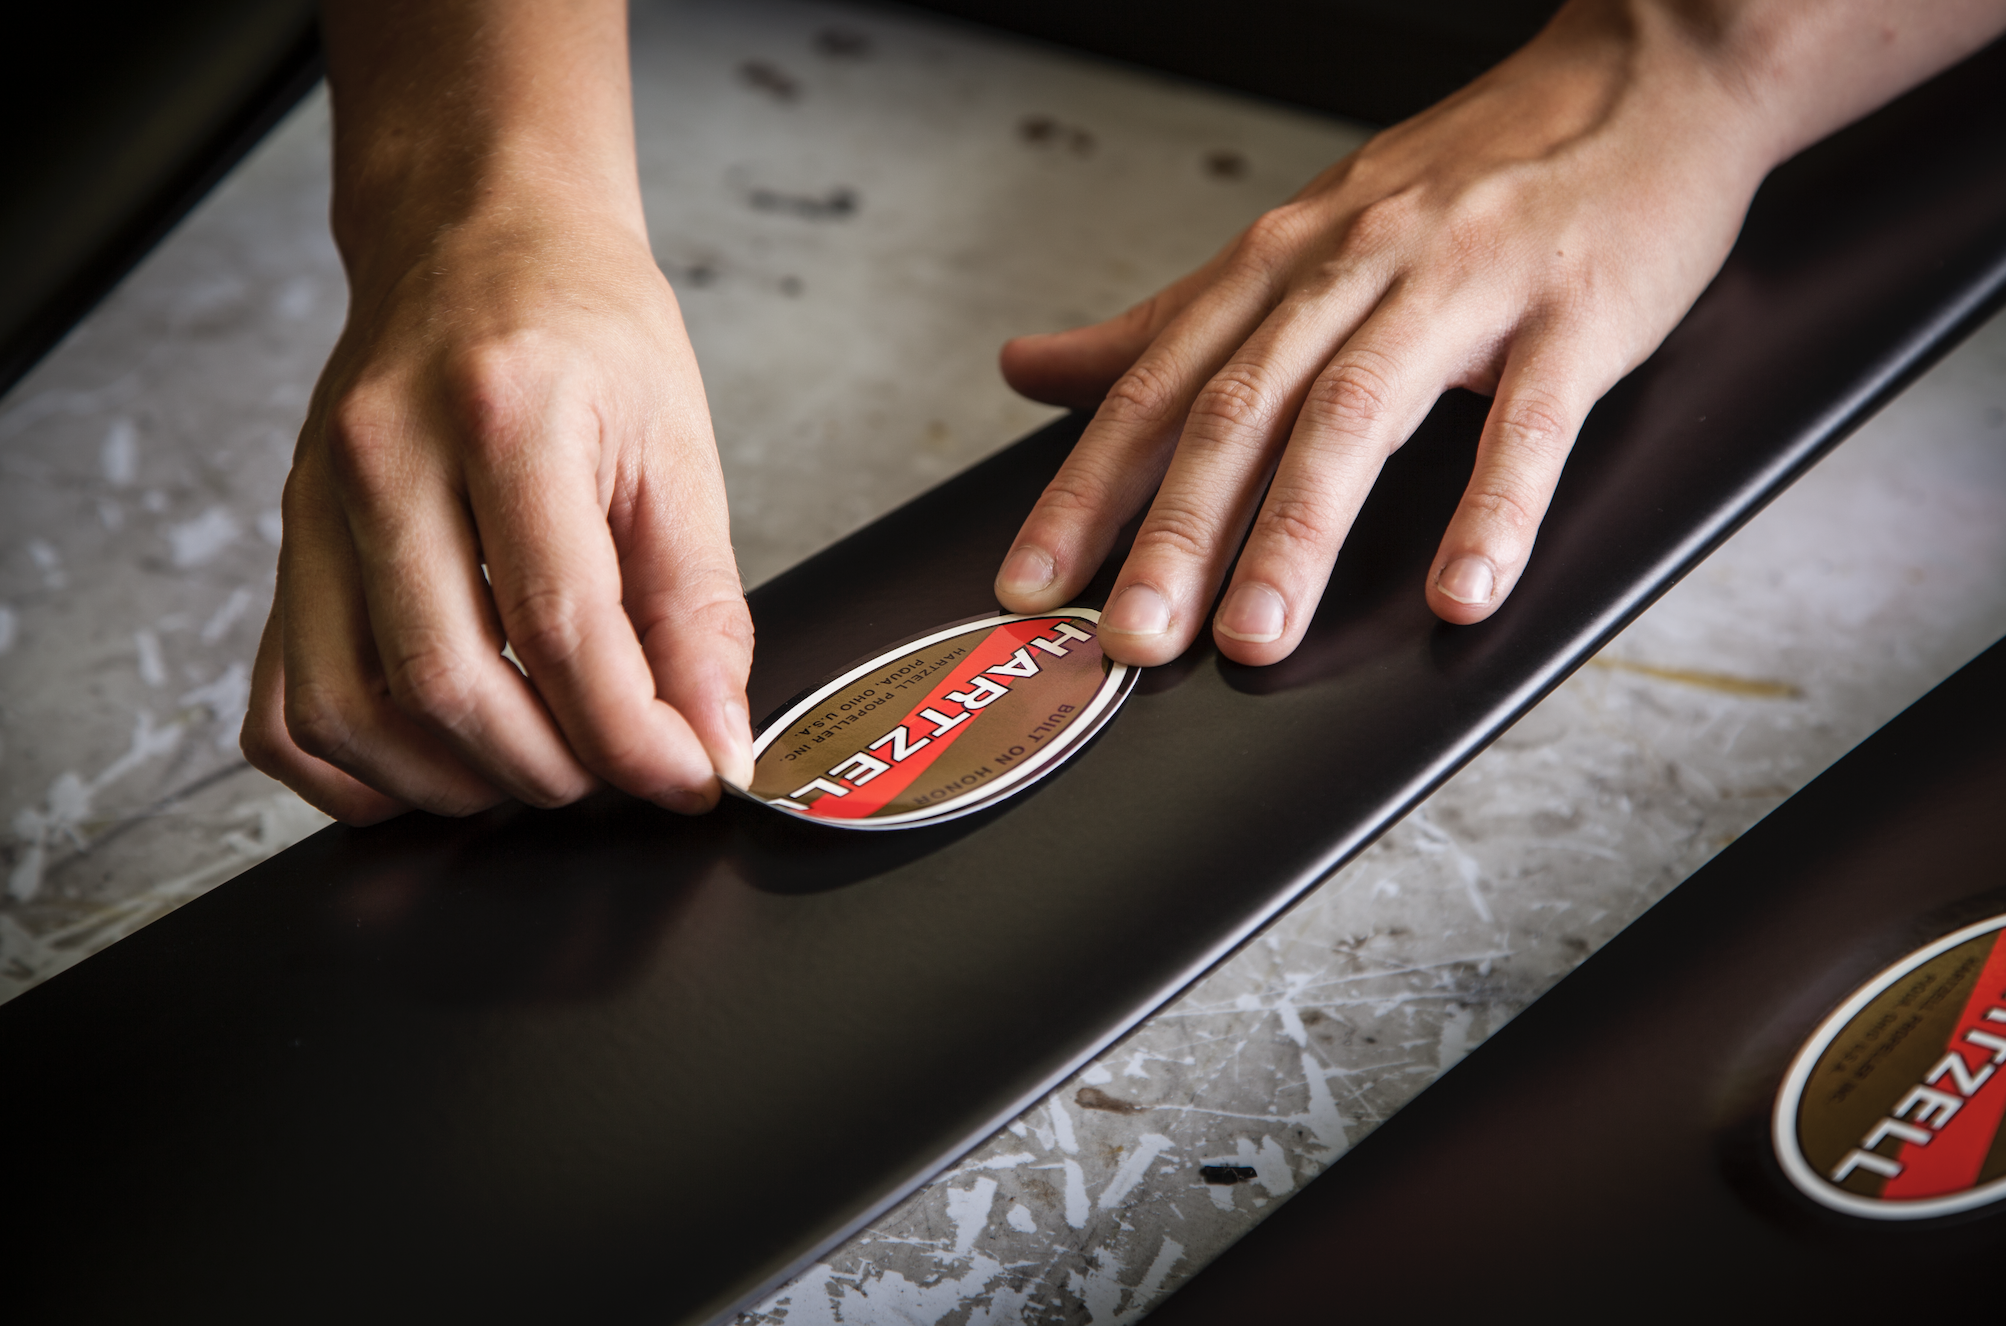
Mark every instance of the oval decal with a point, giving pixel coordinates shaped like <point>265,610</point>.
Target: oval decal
<point>942,726</point>
<point>1892,1109</point>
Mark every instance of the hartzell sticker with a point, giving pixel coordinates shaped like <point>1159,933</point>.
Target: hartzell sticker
<point>942,726</point>
<point>1892,1109</point>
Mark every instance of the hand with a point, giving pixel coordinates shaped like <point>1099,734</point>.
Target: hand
<point>514,391</point>
<point>1533,237</point>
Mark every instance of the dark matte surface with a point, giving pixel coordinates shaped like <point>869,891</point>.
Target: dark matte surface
<point>1373,60</point>
<point>1608,1154</point>
<point>119,116</point>
<point>607,1064</point>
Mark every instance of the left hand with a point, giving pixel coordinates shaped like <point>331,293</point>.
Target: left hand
<point>1535,237</point>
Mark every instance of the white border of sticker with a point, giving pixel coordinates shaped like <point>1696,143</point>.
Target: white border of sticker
<point>1783,1126</point>
<point>1113,689</point>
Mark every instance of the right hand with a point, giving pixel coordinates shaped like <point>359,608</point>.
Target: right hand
<point>516,393</point>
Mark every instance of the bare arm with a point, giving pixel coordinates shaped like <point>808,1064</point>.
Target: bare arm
<point>513,391</point>
<point>1533,237</point>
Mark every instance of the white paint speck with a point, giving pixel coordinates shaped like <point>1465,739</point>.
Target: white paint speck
<point>1020,1219</point>
<point>1132,1168</point>
<point>199,540</point>
<point>48,561</point>
<point>1152,1280</point>
<point>296,299</point>
<point>227,699</point>
<point>1269,1163</point>
<point>152,666</point>
<point>1062,1127</point>
<point>1096,1076</point>
<point>119,453</point>
<point>1011,1161</point>
<point>1077,1209</point>
<point>1455,1041</point>
<point>969,1209</point>
<point>69,803</point>
<point>225,617</point>
<point>1322,1117</point>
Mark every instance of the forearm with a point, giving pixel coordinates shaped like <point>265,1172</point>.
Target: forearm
<point>455,111</point>
<point>1798,70</point>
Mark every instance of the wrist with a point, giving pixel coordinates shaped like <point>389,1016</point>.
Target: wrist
<point>388,214</point>
<point>1669,73</point>
<point>476,116</point>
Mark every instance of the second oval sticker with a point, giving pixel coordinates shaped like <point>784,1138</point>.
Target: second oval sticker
<point>942,726</point>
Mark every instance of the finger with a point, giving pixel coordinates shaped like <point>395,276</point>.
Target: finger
<point>413,561</point>
<point>1361,408</point>
<point>1235,429</point>
<point>1124,451</point>
<point>686,604</point>
<point>337,705</point>
<point>270,749</point>
<point>557,581</point>
<point>1076,368</point>
<point>1548,386</point>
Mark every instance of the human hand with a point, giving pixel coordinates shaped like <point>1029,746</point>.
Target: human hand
<point>1533,237</point>
<point>514,391</point>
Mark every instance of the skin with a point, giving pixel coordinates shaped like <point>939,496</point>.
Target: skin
<point>1532,238</point>
<point>514,390</point>
<point>514,387</point>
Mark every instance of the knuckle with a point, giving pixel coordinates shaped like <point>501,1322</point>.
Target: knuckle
<point>1507,506</point>
<point>1074,491</point>
<point>1143,395</point>
<point>542,790</point>
<point>1237,401</point>
<point>361,434</point>
<point>259,747</point>
<point>435,683</point>
<point>719,616</point>
<point>1534,424</point>
<point>484,380</point>
<point>1354,395</point>
<point>316,720</point>
<point>1381,223</point>
<point>1296,519</point>
<point>546,627</point>
<point>1173,530</point>
<point>1142,319</point>
<point>1274,238</point>
<point>726,617</point>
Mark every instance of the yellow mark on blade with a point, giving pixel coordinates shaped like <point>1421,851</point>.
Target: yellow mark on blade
<point>1727,683</point>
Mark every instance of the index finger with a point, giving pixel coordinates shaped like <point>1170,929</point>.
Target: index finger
<point>556,577</point>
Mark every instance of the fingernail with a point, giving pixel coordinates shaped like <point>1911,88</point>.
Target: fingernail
<point>1254,613</point>
<point>1467,580</point>
<point>686,803</point>
<point>1137,610</point>
<point>1025,571</point>
<point>736,766</point>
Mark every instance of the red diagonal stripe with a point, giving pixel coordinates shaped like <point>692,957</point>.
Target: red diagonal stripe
<point>1950,1161</point>
<point>996,647</point>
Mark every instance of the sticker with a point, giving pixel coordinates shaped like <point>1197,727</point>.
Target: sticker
<point>943,726</point>
<point>1892,1108</point>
